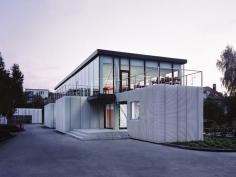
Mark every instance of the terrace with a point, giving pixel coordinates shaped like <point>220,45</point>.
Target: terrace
<point>183,77</point>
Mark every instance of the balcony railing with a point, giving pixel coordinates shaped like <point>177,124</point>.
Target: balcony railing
<point>180,77</point>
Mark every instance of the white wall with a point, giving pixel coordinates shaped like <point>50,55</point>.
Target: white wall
<point>49,115</point>
<point>168,113</point>
<point>3,120</point>
<point>35,113</point>
<point>75,112</point>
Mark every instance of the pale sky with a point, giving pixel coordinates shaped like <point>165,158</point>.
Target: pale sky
<point>50,38</point>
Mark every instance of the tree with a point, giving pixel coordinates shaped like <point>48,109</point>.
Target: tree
<point>227,65</point>
<point>11,89</point>
<point>17,79</point>
<point>4,88</point>
<point>213,111</point>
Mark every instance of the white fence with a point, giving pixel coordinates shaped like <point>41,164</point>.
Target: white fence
<point>35,113</point>
<point>3,120</point>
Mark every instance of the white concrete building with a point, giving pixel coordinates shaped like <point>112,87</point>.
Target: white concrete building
<point>151,98</point>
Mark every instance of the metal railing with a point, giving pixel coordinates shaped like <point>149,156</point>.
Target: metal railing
<point>76,90</point>
<point>182,77</point>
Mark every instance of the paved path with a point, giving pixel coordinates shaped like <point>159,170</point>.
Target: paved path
<point>40,152</point>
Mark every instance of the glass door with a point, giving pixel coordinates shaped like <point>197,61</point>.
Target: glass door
<point>124,80</point>
<point>109,112</point>
<point>123,115</point>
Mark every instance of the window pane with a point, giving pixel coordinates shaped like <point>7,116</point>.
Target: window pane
<point>177,74</point>
<point>91,78</point>
<point>96,75</point>
<point>124,64</point>
<point>152,73</point>
<point>136,74</point>
<point>165,73</point>
<point>116,75</point>
<point>135,110</point>
<point>106,75</point>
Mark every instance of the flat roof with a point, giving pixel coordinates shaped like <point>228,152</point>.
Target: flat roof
<point>27,89</point>
<point>100,52</point>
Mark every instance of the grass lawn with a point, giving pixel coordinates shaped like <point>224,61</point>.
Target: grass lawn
<point>211,143</point>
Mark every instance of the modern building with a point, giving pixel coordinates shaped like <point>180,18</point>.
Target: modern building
<point>153,97</point>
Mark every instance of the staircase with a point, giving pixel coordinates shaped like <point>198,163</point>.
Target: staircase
<point>98,134</point>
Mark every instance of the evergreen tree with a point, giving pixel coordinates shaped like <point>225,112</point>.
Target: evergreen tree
<point>11,89</point>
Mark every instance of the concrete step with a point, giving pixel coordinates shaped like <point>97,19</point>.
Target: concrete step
<point>86,134</point>
<point>78,136</point>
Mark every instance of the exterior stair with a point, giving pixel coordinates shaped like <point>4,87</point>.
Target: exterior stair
<point>98,134</point>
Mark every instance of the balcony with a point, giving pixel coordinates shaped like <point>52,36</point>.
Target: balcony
<point>181,77</point>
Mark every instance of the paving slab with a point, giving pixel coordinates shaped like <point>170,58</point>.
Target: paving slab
<point>40,152</point>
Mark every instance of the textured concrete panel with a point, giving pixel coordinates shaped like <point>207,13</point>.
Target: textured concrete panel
<point>182,114</point>
<point>171,113</point>
<point>200,114</point>
<point>159,113</point>
<point>168,113</point>
<point>192,113</point>
<point>74,112</point>
<point>49,115</point>
<point>75,108</point>
<point>60,114</point>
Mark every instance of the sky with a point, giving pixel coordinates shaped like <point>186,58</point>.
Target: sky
<point>50,38</point>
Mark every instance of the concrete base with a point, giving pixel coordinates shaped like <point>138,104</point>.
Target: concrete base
<point>49,120</point>
<point>98,134</point>
<point>74,112</point>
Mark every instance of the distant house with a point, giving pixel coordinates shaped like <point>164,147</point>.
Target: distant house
<point>32,93</point>
<point>212,93</point>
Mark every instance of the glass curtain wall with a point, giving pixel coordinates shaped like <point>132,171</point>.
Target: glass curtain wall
<point>152,72</point>
<point>136,74</point>
<point>83,83</point>
<point>106,75</point>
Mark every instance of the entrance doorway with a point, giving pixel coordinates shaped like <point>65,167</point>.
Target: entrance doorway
<point>123,115</point>
<point>124,80</point>
<point>109,115</point>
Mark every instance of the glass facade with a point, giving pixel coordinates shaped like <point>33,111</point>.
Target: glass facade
<point>109,75</point>
<point>83,83</point>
